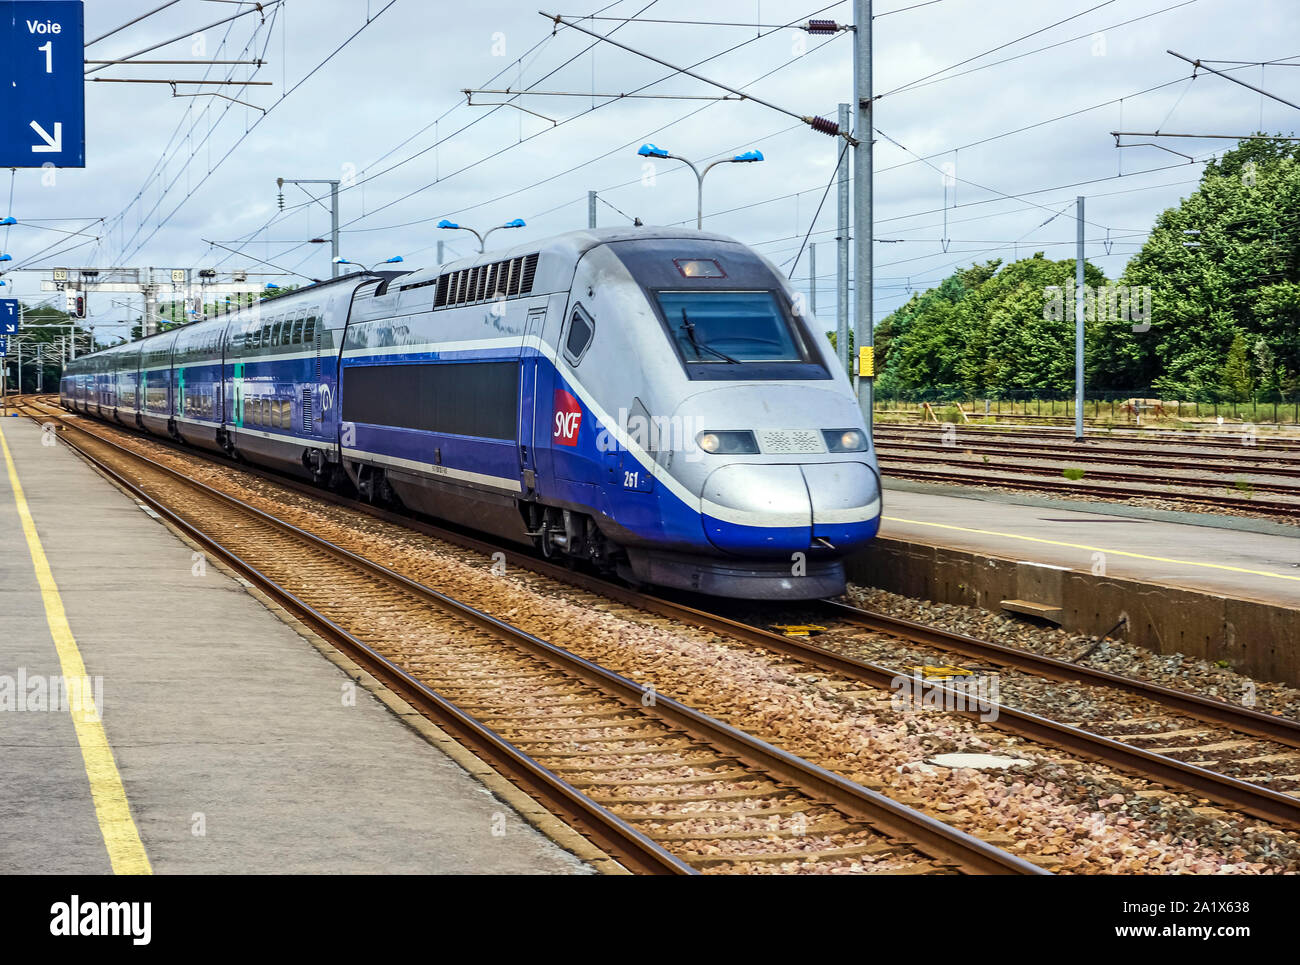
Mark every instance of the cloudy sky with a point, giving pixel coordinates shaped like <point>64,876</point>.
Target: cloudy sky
<point>1014,105</point>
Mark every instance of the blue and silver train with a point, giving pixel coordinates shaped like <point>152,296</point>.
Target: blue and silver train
<point>649,400</point>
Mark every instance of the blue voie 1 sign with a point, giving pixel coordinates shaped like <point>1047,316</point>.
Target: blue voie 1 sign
<point>43,105</point>
<point>8,316</point>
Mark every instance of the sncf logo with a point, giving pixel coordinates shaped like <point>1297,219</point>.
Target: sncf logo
<point>568,418</point>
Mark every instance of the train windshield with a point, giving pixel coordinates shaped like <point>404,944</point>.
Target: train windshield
<point>730,328</point>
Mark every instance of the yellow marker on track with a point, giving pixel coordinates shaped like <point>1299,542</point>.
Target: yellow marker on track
<point>1096,549</point>
<point>125,850</point>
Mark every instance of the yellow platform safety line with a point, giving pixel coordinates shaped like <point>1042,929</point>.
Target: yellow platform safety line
<point>125,850</point>
<point>1096,549</point>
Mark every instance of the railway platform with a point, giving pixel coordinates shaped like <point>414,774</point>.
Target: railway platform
<point>1222,589</point>
<point>156,716</point>
<point>1229,556</point>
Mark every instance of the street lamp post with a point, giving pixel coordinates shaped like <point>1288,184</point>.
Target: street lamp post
<point>749,157</point>
<point>340,260</point>
<point>449,225</point>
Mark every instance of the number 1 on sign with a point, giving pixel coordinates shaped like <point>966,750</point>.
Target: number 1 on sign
<point>48,48</point>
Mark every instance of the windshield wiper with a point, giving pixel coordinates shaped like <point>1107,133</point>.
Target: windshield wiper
<point>697,344</point>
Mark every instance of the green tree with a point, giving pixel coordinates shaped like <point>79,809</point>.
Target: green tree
<point>1236,386</point>
<point>1221,264</point>
<point>987,329</point>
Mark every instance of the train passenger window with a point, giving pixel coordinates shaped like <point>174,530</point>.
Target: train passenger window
<point>309,330</point>
<point>296,338</point>
<point>581,329</point>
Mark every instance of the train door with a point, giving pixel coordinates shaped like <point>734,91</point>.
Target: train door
<point>530,377</point>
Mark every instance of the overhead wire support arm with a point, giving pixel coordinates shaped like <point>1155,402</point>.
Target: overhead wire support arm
<point>226,97</point>
<point>205,63</point>
<point>261,8</point>
<point>1227,137</point>
<point>469,101</point>
<point>1201,65</point>
<point>159,80</point>
<point>820,124</point>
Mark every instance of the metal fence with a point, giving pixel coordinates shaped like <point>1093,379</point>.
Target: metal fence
<point>1117,405</point>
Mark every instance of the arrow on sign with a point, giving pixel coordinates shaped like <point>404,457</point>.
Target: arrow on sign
<point>52,144</point>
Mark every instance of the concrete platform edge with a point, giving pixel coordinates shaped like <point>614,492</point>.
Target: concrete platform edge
<point>1255,638</point>
<point>1239,524</point>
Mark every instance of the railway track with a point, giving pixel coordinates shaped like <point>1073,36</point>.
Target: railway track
<point>1061,486</point>
<point>945,457</point>
<point>661,786</point>
<point>1216,462</point>
<point>1140,439</point>
<point>1197,761</point>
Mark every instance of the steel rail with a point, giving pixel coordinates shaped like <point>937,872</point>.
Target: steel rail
<point>1264,466</point>
<point>1117,435</point>
<point>1067,488</point>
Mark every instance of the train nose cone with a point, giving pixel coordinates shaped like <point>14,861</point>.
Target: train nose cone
<point>765,509</point>
<point>845,502</point>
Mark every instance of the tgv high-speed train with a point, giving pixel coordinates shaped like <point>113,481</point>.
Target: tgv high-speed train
<point>649,400</point>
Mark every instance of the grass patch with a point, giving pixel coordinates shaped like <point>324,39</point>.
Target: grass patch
<point>1074,474</point>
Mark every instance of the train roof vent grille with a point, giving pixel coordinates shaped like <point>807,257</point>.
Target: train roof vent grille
<point>502,278</point>
<point>530,271</point>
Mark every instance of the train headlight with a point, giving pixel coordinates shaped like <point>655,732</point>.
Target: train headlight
<point>729,443</point>
<point>844,440</point>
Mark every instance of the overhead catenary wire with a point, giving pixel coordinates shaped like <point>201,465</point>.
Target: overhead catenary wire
<point>820,124</point>
<point>438,141</point>
<point>992,50</point>
<point>261,8</point>
<point>256,123</point>
<point>160,163</point>
<point>501,151</point>
<point>918,85</point>
<point>133,22</point>
<point>835,173</point>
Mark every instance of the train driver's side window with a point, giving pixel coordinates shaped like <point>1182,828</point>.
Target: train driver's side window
<point>581,330</point>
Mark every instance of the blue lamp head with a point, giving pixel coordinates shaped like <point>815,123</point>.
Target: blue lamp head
<point>517,223</point>
<point>6,257</point>
<point>272,286</point>
<point>393,260</point>
<point>8,221</point>
<point>447,223</point>
<point>650,150</point>
<point>748,156</point>
<point>340,260</point>
<point>3,283</point>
